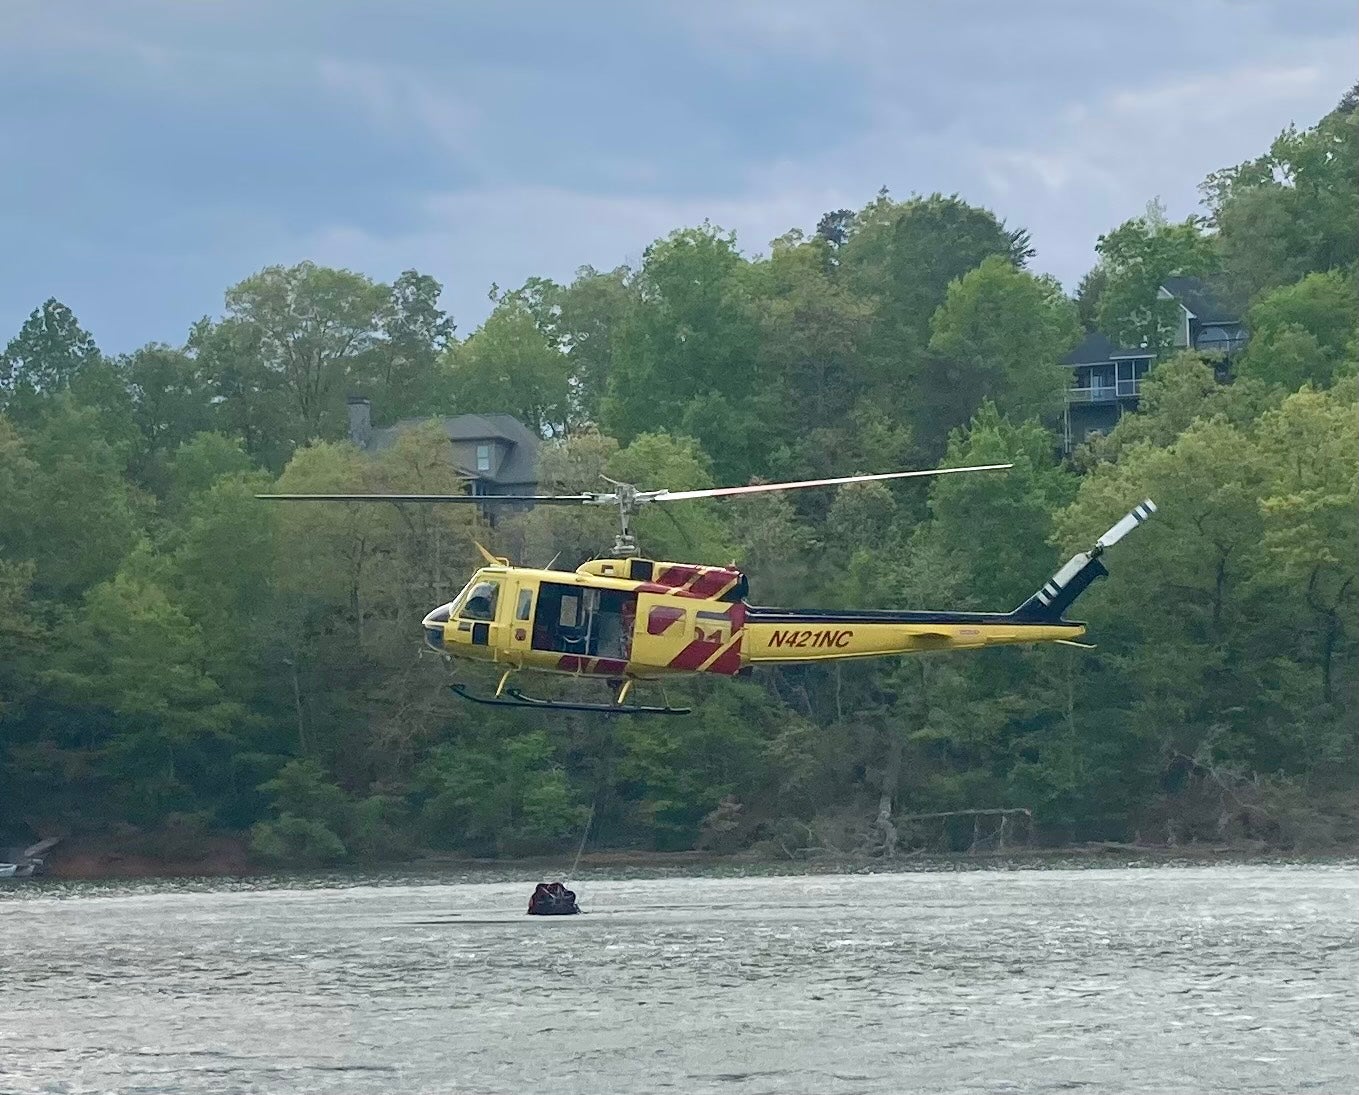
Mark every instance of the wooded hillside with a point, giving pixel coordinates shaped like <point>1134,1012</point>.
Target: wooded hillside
<point>176,655</point>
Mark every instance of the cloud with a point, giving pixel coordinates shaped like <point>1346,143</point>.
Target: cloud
<point>165,150</point>
<point>471,239</point>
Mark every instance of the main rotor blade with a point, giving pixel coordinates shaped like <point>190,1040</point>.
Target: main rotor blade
<point>438,499</point>
<point>757,488</point>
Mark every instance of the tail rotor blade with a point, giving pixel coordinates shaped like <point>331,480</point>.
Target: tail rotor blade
<point>1139,514</point>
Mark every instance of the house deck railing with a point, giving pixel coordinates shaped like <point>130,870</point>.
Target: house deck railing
<point>1105,393</point>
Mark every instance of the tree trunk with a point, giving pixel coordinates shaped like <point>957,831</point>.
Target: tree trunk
<point>297,703</point>
<point>890,775</point>
<point>1327,654</point>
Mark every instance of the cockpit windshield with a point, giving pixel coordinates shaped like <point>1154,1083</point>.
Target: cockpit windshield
<point>456,603</point>
<point>481,601</point>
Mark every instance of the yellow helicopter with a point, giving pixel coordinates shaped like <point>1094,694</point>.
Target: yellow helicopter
<point>627,618</point>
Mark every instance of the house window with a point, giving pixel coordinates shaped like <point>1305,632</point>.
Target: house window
<point>483,458</point>
<point>1102,382</point>
<point>1223,340</point>
<point>1127,381</point>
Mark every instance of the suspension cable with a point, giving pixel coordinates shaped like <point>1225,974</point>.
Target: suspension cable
<point>583,838</point>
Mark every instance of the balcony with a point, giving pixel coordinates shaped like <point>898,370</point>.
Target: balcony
<point>1105,393</point>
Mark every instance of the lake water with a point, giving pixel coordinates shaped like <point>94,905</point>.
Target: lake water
<point>1205,979</point>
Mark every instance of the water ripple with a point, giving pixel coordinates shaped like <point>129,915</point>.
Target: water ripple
<point>1218,979</point>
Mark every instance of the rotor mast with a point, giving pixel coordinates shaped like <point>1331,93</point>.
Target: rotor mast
<point>625,494</point>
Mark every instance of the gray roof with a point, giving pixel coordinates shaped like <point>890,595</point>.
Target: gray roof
<point>1201,300</point>
<point>520,464</point>
<point>1097,349</point>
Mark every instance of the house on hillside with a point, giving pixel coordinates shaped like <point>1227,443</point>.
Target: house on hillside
<point>1106,379</point>
<point>496,452</point>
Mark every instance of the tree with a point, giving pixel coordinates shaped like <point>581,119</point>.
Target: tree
<point>687,359</point>
<point>1292,211</point>
<point>137,660</point>
<point>1088,294</point>
<point>308,328</point>
<point>834,227</point>
<point>1184,608</point>
<point>994,526</point>
<point>1139,256</point>
<point>404,364</point>
<point>80,517</point>
<point>908,253</point>
<point>903,256</point>
<point>247,396</point>
<point>813,332</point>
<point>694,531</point>
<point>169,404</point>
<point>510,796</point>
<point>510,366</point>
<point>1309,515</point>
<point>591,312</point>
<point>1007,330</point>
<point>1176,393</point>
<point>1303,333</point>
<point>45,357</point>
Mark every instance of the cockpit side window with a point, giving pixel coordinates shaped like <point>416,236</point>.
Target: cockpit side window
<point>481,601</point>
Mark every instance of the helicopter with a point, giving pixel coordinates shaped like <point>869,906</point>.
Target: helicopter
<point>627,618</point>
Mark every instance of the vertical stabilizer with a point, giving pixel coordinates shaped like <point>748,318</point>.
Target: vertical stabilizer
<point>1079,571</point>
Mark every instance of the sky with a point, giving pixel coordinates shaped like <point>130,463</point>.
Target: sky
<point>155,152</point>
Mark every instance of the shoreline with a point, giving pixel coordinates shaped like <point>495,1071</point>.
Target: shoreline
<point>227,857</point>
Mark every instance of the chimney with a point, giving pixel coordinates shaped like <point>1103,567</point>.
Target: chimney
<point>360,421</point>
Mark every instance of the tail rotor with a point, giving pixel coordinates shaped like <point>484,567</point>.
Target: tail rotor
<point>1059,591</point>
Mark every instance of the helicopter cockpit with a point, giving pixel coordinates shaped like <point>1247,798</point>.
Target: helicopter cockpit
<point>558,617</point>
<point>476,603</point>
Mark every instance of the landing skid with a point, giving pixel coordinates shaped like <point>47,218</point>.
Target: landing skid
<point>512,697</point>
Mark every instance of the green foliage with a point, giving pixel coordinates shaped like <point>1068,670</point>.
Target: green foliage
<point>910,252</point>
<point>46,357</point>
<point>588,321</point>
<point>404,366</point>
<point>200,462</point>
<point>1303,333</point>
<point>510,366</point>
<point>1176,393</point>
<point>1139,256</point>
<point>688,361</point>
<point>169,403</point>
<point>1088,294</point>
<point>510,798</point>
<point>1008,330</point>
<point>1292,211</point>
<point>308,326</point>
<point>814,333</point>
<point>1309,517</point>
<point>74,514</point>
<point>994,525</point>
<point>903,256</point>
<point>296,842</point>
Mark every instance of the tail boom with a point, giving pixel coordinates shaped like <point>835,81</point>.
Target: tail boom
<point>783,636</point>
